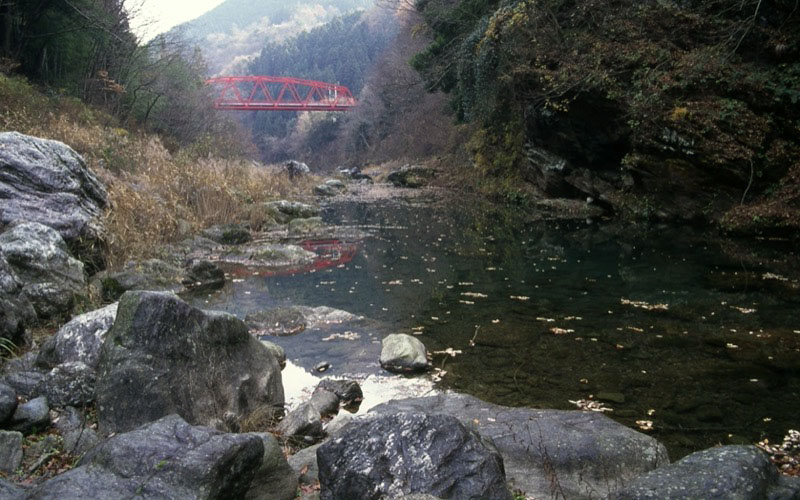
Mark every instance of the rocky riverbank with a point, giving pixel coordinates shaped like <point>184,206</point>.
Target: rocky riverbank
<point>151,396</point>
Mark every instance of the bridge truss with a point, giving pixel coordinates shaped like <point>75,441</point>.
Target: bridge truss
<point>276,93</point>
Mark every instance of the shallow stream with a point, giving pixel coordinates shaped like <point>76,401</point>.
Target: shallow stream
<point>665,327</point>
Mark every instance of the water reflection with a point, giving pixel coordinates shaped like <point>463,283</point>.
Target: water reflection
<point>696,334</point>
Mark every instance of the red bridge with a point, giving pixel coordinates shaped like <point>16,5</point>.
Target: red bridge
<point>275,93</point>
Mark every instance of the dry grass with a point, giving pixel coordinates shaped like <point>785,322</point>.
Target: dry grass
<point>156,196</point>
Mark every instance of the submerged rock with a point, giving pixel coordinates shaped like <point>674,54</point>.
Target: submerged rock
<point>51,278</point>
<point>272,255</point>
<point>281,321</point>
<point>403,353</point>
<point>582,454</point>
<point>47,182</point>
<point>390,455</point>
<point>742,472</point>
<point>163,356</point>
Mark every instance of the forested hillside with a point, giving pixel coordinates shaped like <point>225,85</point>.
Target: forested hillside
<point>342,51</point>
<point>671,110</point>
<point>234,32</point>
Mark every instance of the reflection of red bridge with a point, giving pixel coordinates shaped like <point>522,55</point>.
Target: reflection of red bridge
<point>330,253</point>
<point>277,93</point>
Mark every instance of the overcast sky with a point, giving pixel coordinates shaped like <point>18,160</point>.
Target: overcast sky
<point>156,16</point>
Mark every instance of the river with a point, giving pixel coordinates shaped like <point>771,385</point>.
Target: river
<point>690,337</point>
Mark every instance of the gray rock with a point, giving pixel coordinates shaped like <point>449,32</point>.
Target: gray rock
<point>272,255</point>
<point>736,472</point>
<point>151,274</point>
<point>26,362</point>
<point>68,384</point>
<point>9,490</point>
<point>48,182</point>
<point>391,455</point>
<point>17,311</point>
<point>412,176</point>
<point>305,420</point>
<point>275,479</point>
<point>348,391</point>
<point>24,382</point>
<point>305,226</point>
<point>284,211</point>
<point>304,464</point>
<point>10,451</point>
<point>403,353</point>
<point>31,416</point>
<point>167,458</point>
<point>325,190</point>
<point>228,234</point>
<point>296,168</point>
<point>325,402</point>
<point>51,278</point>
<point>8,402</point>
<point>163,356</point>
<point>78,437</point>
<point>79,340</point>
<point>277,351</point>
<point>339,422</point>
<point>203,275</point>
<point>577,454</point>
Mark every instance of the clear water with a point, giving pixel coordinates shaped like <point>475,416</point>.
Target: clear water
<point>697,334</point>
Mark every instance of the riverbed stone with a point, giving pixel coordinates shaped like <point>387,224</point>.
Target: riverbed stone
<point>742,472</point>
<point>305,420</point>
<point>284,211</point>
<point>31,416</point>
<point>325,401</point>
<point>68,384</point>
<point>17,311</point>
<point>271,255</point>
<point>274,479</point>
<point>203,275</point>
<point>10,451</point>
<point>348,391</point>
<point>164,356</point>
<point>304,464</point>
<point>228,234</point>
<point>583,454</point>
<point>79,340</point>
<point>8,402</point>
<point>403,353</point>
<point>277,351</point>
<point>412,176</point>
<point>389,455</point>
<point>9,490</point>
<point>167,458</point>
<point>150,274</point>
<point>51,278</point>
<point>24,382</point>
<point>48,182</point>
<point>304,226</point>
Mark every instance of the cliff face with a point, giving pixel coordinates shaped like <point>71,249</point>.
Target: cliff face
<point>667,110</point>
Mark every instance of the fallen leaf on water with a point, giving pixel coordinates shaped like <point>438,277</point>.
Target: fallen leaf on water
<point>744,310</point>
<point>644,305</point>
<point>520,297</point>
<point>773,276</point>
<point>561,331</point>
<point>546,320</point>
<point>468,302</point>
<point>588,405</point>
<point>645,425</point>
<point>449,351</point>
<point>474,294</point>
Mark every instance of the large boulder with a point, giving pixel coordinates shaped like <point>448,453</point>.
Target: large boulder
<point>8,402</point>
<point>79,340</point>
<point>275,478</point>
<point>68,384</point>
<point>167,458</point>
<point>741,472</point>
<point>31,416</point>
<point>16,311</point>
<point>390,455</point>
<point>164,356</point>
<point>51,278</point>
<point>573,454</point>
<point>48,182</point>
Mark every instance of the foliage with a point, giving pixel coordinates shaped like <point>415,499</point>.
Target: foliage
<point>712,83</point>
<point>341,51</point>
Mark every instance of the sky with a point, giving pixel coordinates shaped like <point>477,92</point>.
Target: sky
<point>152,17</point>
